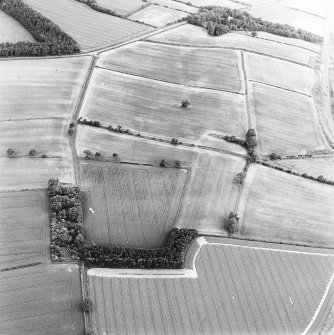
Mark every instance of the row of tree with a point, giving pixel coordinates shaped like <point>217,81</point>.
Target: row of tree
<point>94,5</point>
<point>50,39</point>
<point>169,257</point>
<point>220,20</point>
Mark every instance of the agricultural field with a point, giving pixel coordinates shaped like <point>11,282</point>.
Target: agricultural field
<point>318,8</point>
<point>130,205</point>
<point>190,35</point>
<point>209,68</point>
<point>24,228</point>
<point>43,299</point>
<point>279,114</point>
<point>158,16</point>
<point>267,291</point>
<point>175,5</point>
<point>223,3</point>
<point>120,6</point>
<point>27,85</point>
<point>275,72</point>
<point>120,99</point>
<point>293,17</point>
<point>91,29</point>
<point>12,31</point>
<point>279,207</point>
<point>315,167</point>
<point>211,194</point>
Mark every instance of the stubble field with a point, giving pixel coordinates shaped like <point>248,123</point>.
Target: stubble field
<point>130,205</point>
<point>91,29</point>
<point>43,299</point>
<point>217,69</point>
<point>265,291</point>
<point>279,207</point>
<point>120,99</point>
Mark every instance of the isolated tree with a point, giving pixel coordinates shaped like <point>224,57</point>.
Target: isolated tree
<point>114,154</point>
<point>32,152</point>
<point>87,153</point>
<point>274,156</point>
<point>178,163</point>
<point>185,103</point>
<point>10,153</point>
<point>98,154</point>
<point>88,304</point>
<point>254,33</point>
<point>163,163</point>
<point>70,131</point>
<point>174,141</point>
<point>240,177</point>
<point>232,224</point>
<point>44,156</point>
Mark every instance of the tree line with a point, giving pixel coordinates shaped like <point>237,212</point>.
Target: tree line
<point>220,20</point>
<point>50,39</point>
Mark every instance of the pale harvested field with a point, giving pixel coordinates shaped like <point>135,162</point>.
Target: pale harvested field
<point>209,68</point>
<point>280,207</point>
<point>279,115</point>
<point>42,299</point>
<point>30,173</point>
<point>138,150</point>
<point>293,17</point>
<point>124,100</point>
<point>239,290</point>
<point>24,228</point>
<point>211,193</point>
<point>223,3</point>
<point>91,29</point>
<point>175,5</point>
<point>133,205</point>
<point>120,6</point>
<point>279,73</point>
<point>314,167</point>
<point>46,136</point>
<point>41,88</point>
<point>191,35</point>
<point>12,31</point>
<point>318,7</point>
<point>157,16</point>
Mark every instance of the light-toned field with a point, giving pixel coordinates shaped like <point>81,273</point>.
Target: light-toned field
<point>175,5</point>
<point>279,115</point>
<point>12,31</point>
<point>130,205</point>
<point>157,16</point>
<point>314,167</point>
<point>211,193</point>
<point>290,16</point>
<point>210,68</point>
<point>280,207</point>
<point>24,228</point>
<point>313,7</point>
<point>279,73</point>
<point>251,289</point>
<point>91,29</point>
<point>197,36</point>
<point>30,173</point>
<point>223,3</point>
<point>124,100</point>
<point>120,6</point>
<point>41,88</point>
<point>42,299</point>
<point>46,136</point>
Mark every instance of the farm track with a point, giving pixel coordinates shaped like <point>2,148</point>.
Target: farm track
<point>244,71</point>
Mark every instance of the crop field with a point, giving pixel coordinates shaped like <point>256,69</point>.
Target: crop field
<point>191,35</point>
<point>30,173</point>
<point>280,207</point>
<point>24,228</point>
<point>91,29</point>
<point>12,31</point>
<point>130,205</point>
<point>279,73</point>
<point>312,7</point>
<point>26,85</point>
<point>120,6</point>
<point>44,299</point>
<point>223,3</point>
<point>314,167</point>
<point>209,68</point>
<point>120,99</point>
<point>211,193</point>
<point>266,291</point>
<point>279,114</point>
<point>176,5</point>
<point>157,16</point>
<point>293,17</point>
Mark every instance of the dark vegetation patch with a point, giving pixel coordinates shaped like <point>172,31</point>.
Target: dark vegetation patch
<point>220,20</point>
<point>50,39</point>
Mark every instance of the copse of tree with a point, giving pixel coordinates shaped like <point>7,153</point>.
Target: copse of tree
<point>163,163</point>
<point>185,103</point>
<point>274,156</point>
<point>32,153</point>
<point>50,39</point>
<point>220,20</point>
<point>232,223</point>
<point>88,304</point>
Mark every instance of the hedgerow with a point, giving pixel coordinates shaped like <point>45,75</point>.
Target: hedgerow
<point>50,39</point>
<point>220,20</point>
<point>94,5</point>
